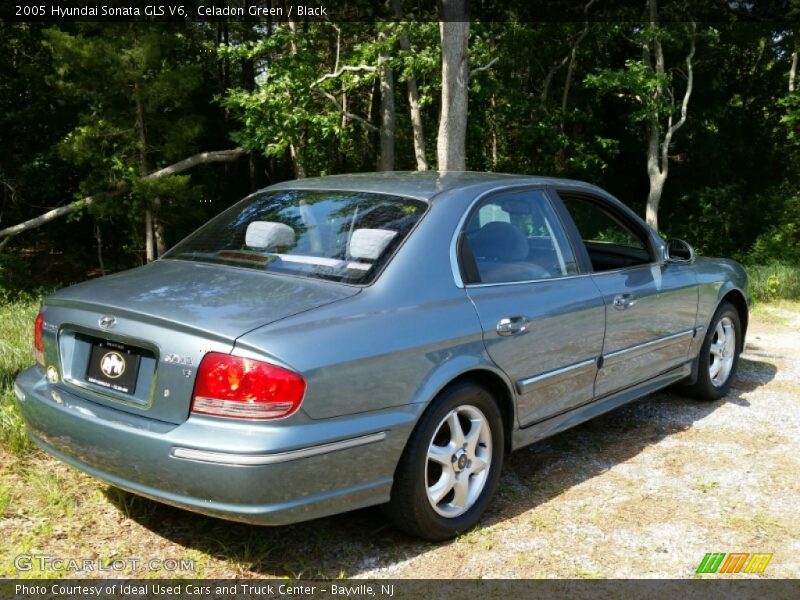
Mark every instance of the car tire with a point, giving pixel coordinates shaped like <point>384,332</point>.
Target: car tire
<point>450,467</point>
<point>719,355</point>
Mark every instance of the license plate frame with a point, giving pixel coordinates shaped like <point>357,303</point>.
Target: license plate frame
<point>114,366</point>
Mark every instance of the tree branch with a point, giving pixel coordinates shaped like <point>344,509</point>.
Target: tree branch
<point>337,73</point>
<point>485,67</point>
<point>549,78</point>
<point>62,211</point>
<point>342,110</point>
<point>793,68</point>
<point>573,57</point>
<point>346,68</point>
<point>193,161</point>
<point>672,128</point>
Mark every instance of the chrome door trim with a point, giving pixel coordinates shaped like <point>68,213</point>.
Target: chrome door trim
<point>524,386</point>
<point>631,351</point>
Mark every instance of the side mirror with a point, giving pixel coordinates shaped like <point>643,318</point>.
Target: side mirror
<point>678,251</point>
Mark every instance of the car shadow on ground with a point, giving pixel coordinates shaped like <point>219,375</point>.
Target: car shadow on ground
<point>362,540</point>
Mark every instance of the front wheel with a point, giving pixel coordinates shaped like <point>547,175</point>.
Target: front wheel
<point>719,355</point>
<point>451,464</point>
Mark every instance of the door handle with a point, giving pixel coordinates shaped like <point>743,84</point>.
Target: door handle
<point>623,301</point>
<point>512,325</point>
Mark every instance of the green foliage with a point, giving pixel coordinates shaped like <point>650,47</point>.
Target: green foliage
<point>791,119</point>
<point>564,99</point>
<point>774,281</point>
<point>637,83</point>
<point>781,241</point>
<point>288,106</point>
<point>135,87</point>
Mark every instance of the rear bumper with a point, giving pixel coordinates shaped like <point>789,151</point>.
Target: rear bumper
<point>270,474</point>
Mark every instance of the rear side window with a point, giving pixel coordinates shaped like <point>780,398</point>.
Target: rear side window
<point>338,236</point>
<point>515,237</point>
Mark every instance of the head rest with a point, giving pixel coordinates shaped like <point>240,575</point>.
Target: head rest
<point>499,241</point>
<point>268,234</point>
<point>369,244</point>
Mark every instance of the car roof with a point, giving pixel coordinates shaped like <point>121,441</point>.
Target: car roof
<point>423,185</point>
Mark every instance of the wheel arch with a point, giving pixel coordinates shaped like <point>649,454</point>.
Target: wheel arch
<point>483,374</point>
<point>500,391</point>
<point>737,298</point>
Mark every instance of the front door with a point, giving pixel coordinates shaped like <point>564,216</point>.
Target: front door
<point>542,324</point>
<point>650,306</point>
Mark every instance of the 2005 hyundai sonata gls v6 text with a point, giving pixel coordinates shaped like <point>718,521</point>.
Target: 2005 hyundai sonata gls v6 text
<point>333,343</point>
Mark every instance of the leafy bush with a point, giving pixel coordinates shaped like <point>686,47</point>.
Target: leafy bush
<point>781,242</point>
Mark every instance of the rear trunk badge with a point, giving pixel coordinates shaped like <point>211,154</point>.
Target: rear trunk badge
<point>107,322</point>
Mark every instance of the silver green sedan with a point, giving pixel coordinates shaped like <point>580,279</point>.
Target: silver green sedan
<point>334,343</point>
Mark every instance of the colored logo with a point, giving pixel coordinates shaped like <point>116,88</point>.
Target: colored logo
<point>735,562</point>
<point>112,365</point>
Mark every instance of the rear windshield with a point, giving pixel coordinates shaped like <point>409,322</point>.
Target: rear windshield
<point>339,236</point>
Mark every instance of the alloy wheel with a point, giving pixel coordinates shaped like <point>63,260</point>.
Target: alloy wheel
<point>722,352</point>
<point>458,461</point>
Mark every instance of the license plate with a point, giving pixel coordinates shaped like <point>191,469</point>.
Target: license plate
<point>113,366</point>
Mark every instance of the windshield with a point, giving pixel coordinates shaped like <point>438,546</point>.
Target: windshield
<point>339,236</point>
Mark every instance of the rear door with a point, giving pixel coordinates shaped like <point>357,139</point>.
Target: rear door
<point>650,306</point>
<point>543,322</point>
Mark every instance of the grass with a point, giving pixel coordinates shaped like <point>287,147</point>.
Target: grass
<point>706,486</point>
<point>774,281</point>
<point>6,496</point>
<point>16,354</point>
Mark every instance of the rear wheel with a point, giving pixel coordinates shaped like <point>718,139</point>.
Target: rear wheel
<point>450,466</point>
<point>719,355</point>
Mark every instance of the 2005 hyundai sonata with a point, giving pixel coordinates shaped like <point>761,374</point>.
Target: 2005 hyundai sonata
<point>333,343</point>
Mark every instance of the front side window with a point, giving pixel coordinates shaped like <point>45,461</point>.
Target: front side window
<point>516,237</point>
<point>610,242</point>
<point>339,236</point>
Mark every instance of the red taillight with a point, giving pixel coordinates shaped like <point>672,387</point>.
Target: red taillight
<point>243,388</point>
<point>38,345</point>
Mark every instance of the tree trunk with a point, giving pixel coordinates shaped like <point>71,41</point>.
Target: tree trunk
<point>160,238</point>
<point>416,122</point>
<point>793,68</point>
<point>413,99</point>
<point>658,149</point>
<point>454,33</point>
<point>387,127</point>
<point>98,236</point>
<point>296,148</point>
<point>655,174</point>
<point>493,104</point>
<point>297,161</point>
<point>149,215</point>
<point>373,117</point>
